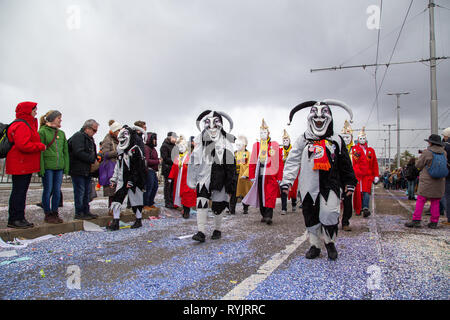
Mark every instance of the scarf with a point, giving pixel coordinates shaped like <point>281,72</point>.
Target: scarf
<point>286,152</point>
<point>181,159</point>
<point>321,161</point>
<point>263,148</point>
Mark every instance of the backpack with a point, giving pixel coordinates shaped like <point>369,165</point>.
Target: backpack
<point>5,144</point>
<point>438,168</point>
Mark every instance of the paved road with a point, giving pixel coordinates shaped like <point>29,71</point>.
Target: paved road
<point>379,259</point>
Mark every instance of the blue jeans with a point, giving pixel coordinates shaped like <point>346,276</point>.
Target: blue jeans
<point>52,181</point>
<point>151,188</point>
<point>411,186</point>
<point>365,200</point>
<point>81,190</point>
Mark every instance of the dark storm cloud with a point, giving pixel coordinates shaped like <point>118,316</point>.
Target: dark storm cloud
<point>166,61</point>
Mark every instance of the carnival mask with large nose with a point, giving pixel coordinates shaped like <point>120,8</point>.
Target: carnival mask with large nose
<point>213,124</point>
<point>286,142</point>
<point>264,134</point>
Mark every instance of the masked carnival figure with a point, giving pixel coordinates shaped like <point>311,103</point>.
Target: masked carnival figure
<point>365,164</point>
<point>286,148</point>
<point>183,196</point>
<point>129,176</point>
<point>211,170</point>
<point>325,169</point>
<point>266,171</point>
<point>244,184</point>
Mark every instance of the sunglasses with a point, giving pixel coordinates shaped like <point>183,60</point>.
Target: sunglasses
<point>95,130</point>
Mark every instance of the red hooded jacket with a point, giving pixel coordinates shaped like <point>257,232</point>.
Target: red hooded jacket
<point>25,155</point>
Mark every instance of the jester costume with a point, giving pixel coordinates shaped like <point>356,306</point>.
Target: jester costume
<point>325,169</point>
<point>129,176</point>
<point>211,170</point>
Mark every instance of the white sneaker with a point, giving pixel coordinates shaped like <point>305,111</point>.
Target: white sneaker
<point>283,212</point>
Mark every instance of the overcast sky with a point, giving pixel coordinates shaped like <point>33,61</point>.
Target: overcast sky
<point>166,61</point>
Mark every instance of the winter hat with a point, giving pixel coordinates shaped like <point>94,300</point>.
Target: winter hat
<point>435,139</point>
<point>114,126</point>
<point>172,134</point>
<point>446,132</point>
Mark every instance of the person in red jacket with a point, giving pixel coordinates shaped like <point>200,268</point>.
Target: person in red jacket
<point>22,160</point>
<point>182,194</point>
<point>266,170</point>
<point>365,165</point>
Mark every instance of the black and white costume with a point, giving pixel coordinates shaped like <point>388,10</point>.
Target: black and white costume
<point>326,169</point>
<point>129,176</point>
<point>211,170</point>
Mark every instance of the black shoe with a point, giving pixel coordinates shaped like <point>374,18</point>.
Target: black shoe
<point>82,216</point>
<point>263,219</point>
<point>300,206</point>
<point>432,225</point>
<point>114,226</point>
<point>169,206</point>
<point>186,215</point>
<point>413,224</point>
<point>137,224</point>
<point>269,221</point>
<point>216,235</point>
<point>40,205</point>
<point>366,212</point>
<point>199,236</point>
<point>312,253</point>
<point>245,212</point>
<point>20,224</point>
<point>331,249</point>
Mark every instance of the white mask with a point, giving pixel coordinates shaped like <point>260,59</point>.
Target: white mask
<point>319,119</point>
<point>240,145</point>
<point>286,142</point>
<point>182,148</point>
<point>347,138</point>
<point>362,139</point>
<point>264,134</point>
<point>213,126</point>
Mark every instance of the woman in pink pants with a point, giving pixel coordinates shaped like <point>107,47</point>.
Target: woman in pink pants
<point>429,188</point>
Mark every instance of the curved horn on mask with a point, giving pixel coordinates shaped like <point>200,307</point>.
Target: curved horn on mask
<point>303,105</point>
<point>226,116</point>
<point>341,104</point>
<point>200,117</point>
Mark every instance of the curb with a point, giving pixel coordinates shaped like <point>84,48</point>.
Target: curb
<point>9,234</point>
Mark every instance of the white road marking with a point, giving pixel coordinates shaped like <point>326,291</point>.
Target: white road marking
<point>242,290</point>
<point>401,203</point>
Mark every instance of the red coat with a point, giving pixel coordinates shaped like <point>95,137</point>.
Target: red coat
<point>365,165</point>
<point>273,172</point>
<point>188,196</point>
<point>25,155</point>
<point>293,189</point>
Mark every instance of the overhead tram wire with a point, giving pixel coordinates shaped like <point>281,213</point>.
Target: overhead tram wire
<point>390,59</point>
<point>376,66</point>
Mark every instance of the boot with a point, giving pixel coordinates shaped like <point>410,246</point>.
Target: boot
<point>331,249</point>
<point>413,224</point>
<point>366,212</point>
<point>57,218</point>
<point>346,228</point>
<point>114,225</point>
<point>199,236</point>
<point>216,235</point>
<point>50,218</point>
<point>432,225</point>
<point>137,224</point>
<point>312,253</point>
<point>269,221</point>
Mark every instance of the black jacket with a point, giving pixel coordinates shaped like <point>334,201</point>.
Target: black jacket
<point>411,172</point>
<point>166,154</point>
<point>447,149</point>
<point>82,153</point>
<point>224,175</point>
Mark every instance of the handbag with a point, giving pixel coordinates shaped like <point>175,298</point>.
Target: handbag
<point>106,171</point>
